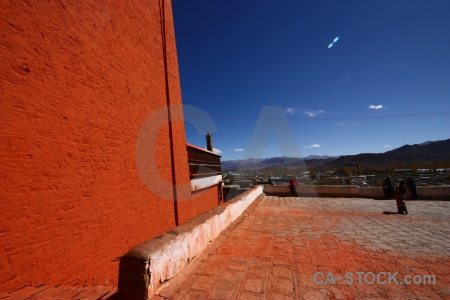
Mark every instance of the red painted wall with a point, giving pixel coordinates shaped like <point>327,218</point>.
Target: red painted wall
<point>200,202</point>
<point>78,79</point>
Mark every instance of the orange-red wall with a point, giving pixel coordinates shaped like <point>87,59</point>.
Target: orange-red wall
<point>200,202</point>
<point>77,79</point>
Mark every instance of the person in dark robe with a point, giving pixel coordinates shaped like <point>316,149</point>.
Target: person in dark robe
<point>411,185</point>
<point>399,196</point>
<point>388,188</point>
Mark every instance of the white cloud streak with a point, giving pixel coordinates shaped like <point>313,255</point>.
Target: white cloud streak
<point>290,110</point>
<point>238,150</point>
<point>217,151</point>
<point>313,146</point>
<point>313,113</point>
<point>376,107</point>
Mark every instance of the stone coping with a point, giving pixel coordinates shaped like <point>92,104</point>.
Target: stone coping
<point>144,268</point>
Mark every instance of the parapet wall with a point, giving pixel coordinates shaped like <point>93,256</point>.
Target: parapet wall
<point>353,191</point>
<point>144,268</point>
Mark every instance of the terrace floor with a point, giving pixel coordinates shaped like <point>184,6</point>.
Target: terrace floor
<point>275,251</point>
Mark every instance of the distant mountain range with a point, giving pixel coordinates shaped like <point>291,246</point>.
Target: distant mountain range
<point>431,151</point>
<point>261,163</point>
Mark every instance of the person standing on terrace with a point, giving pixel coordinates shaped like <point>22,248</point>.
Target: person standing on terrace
<point>411,185</point>
<point>399,196</point>
<point>293,182</point>
<point>388,187</point>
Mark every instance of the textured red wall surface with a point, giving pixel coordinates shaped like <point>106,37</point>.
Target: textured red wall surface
<point>200,202</point>
<point>78,79</point>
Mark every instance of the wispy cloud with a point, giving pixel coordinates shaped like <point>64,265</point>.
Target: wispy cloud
<point>351,124</point>
<point>313,146</point>
<point>238,150</point>
<point>290,111</point>
<point>217,151</point>
<point>375,106</point>
<point>313,113</point>
<point>387,146</point>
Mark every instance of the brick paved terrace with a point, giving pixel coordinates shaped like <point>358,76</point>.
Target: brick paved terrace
<point>276,249</point>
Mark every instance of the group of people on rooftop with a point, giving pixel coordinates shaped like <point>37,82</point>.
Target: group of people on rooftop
<point>399,192</point>
<point>390,191</point>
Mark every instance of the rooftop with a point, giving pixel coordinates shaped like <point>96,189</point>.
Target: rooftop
<point>275,251</point>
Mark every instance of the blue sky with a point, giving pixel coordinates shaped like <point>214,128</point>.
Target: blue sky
<point>383,84</point>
